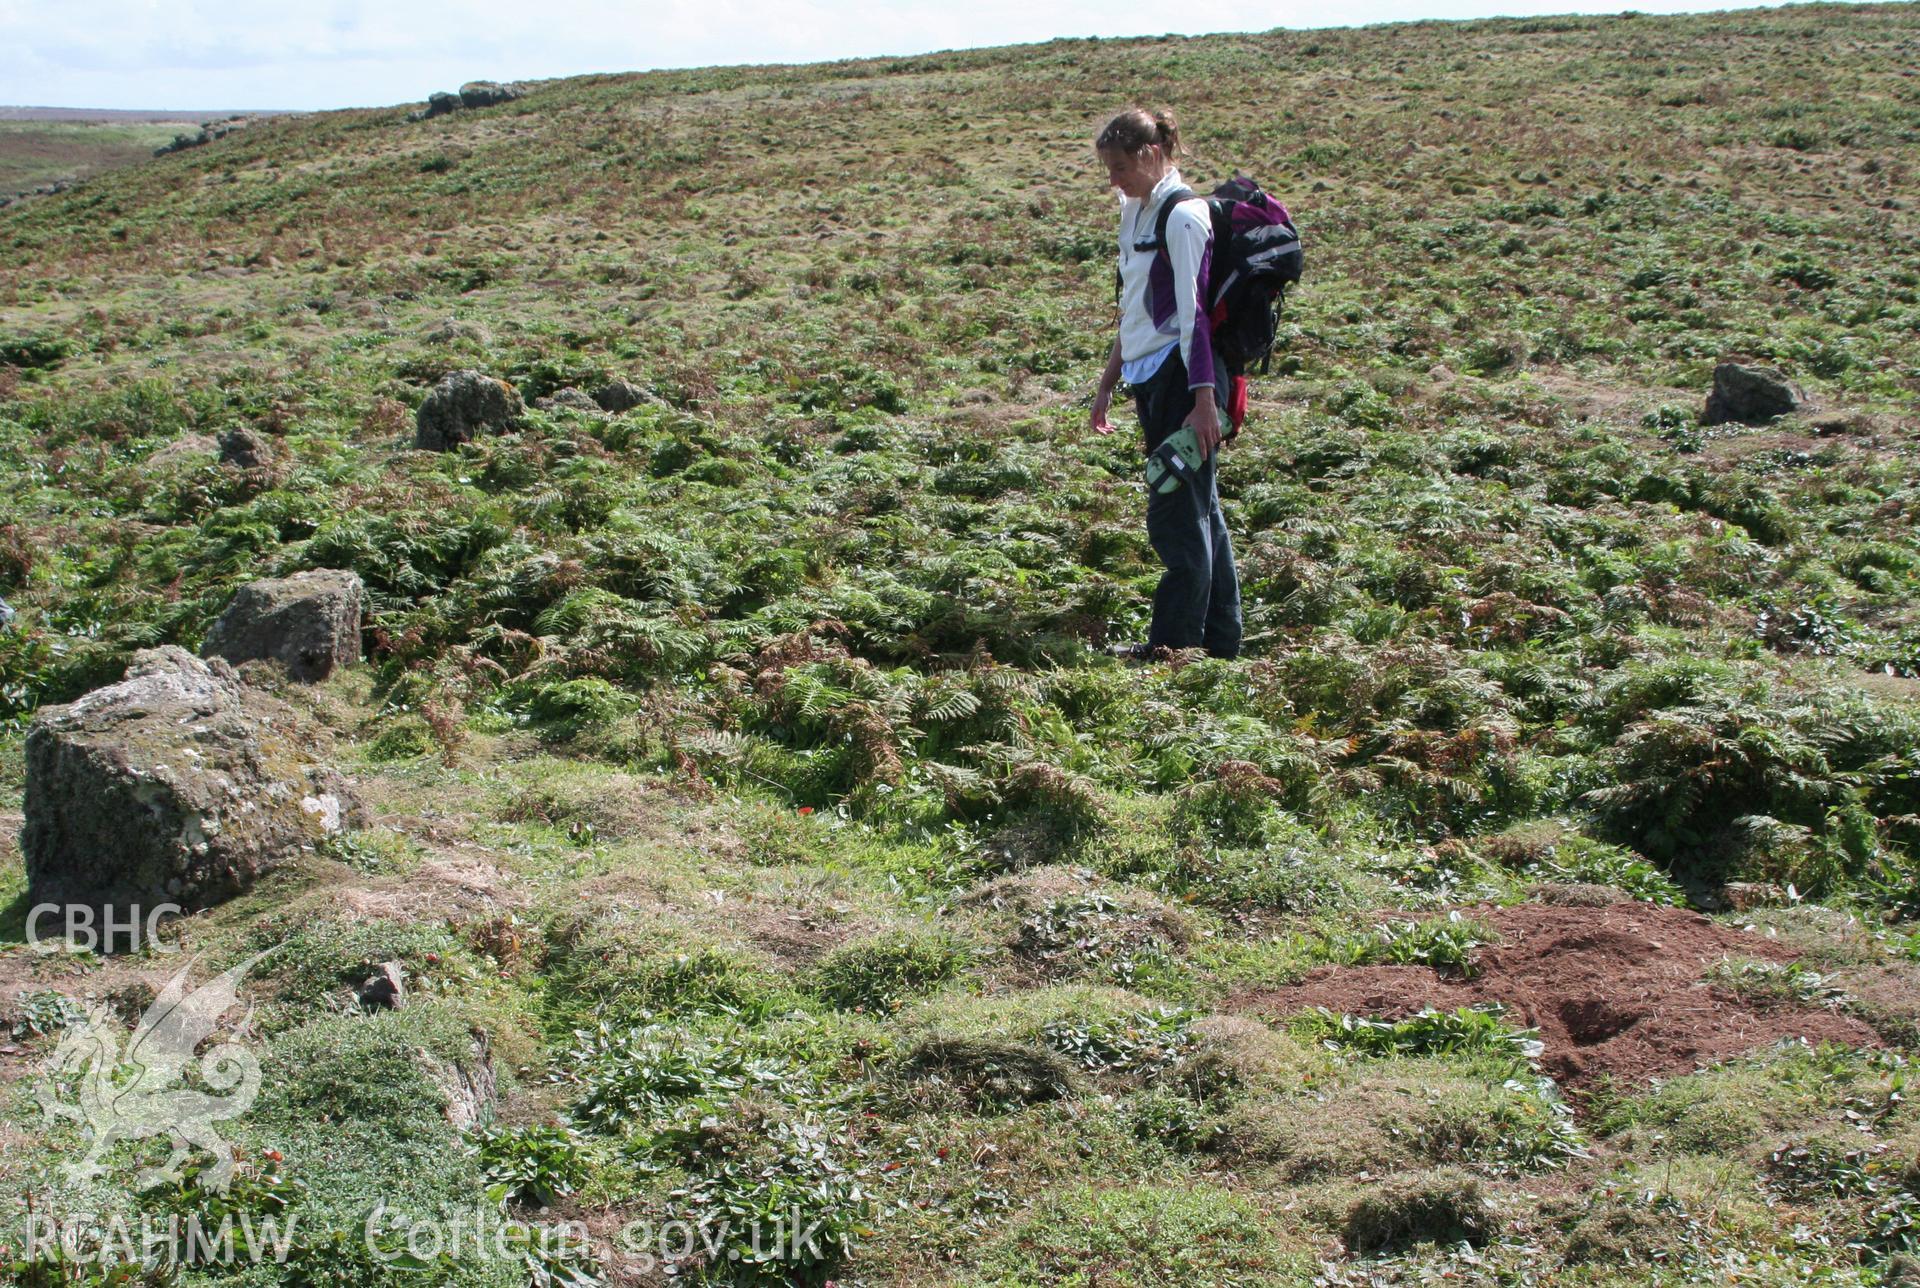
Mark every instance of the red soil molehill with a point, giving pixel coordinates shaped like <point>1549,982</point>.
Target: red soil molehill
<point>1616,991</point>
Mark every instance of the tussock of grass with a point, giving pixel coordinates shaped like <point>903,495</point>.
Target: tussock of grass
<point>1147,1235</point>
<point>883,972</point>
<point>1439,1206</point>
<point>987,1073</point>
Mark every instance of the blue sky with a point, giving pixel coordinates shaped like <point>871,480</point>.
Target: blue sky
<point>202,55</point>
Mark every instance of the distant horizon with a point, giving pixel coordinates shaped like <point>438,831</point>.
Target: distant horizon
<point>156,113</point>
<point>95,55</point>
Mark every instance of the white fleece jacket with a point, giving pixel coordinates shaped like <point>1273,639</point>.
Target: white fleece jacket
<point>1148,321</point>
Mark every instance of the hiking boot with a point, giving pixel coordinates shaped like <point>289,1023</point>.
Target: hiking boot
<point>1131,654</point>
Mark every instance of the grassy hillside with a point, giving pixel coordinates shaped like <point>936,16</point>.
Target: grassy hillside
<point>746,766</point>
<point>37,152</point>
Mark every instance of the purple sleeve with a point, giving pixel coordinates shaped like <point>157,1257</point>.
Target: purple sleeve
<point>1190,251</point>
<point>1200,364</point>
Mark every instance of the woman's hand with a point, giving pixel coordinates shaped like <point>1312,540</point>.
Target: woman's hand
<point>1205,420</point>
<point>1103,392</point>
<point>1097,419</point>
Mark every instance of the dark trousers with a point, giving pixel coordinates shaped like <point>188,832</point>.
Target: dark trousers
<point>1197,604</point>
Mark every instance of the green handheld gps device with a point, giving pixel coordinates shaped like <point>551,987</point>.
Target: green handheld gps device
<point>1174,461</point>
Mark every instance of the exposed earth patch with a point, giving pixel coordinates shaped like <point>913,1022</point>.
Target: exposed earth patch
<point>1617,993</point>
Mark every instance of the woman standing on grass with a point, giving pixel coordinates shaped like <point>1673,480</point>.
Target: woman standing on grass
<point>1164,351</point>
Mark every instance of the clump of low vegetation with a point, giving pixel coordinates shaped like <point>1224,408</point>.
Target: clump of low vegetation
<point>1444,943</point>
<point>887,970</point>
<point>1441,1206</point>
<point>1474,1029</point>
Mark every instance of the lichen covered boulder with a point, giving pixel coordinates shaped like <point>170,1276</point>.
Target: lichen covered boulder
<point>176,785</point>
<point>622,395</point>
<point>244,448</point>
<point>464,405</point>
<point>567,399</point>
<point>457,331</point>
<point>309,623</point>
<point>487,93</point>
<point>1749,396</point>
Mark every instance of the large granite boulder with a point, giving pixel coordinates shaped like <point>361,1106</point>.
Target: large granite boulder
<point>464,405</point>
<point>177,785</point>
<point>1748,396</point>
<point>309,623</point>
<point>243,448</point>
<point>487,93</point>
<point>191,451</point>
<point>567,399</point>
<point>622,395</point>
<point>458,331</point>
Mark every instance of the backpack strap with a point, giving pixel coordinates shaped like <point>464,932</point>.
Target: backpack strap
<point>1159,241</point>
<point>1171,200</point>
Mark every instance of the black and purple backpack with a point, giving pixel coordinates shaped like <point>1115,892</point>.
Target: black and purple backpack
<point>1256,257</point>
